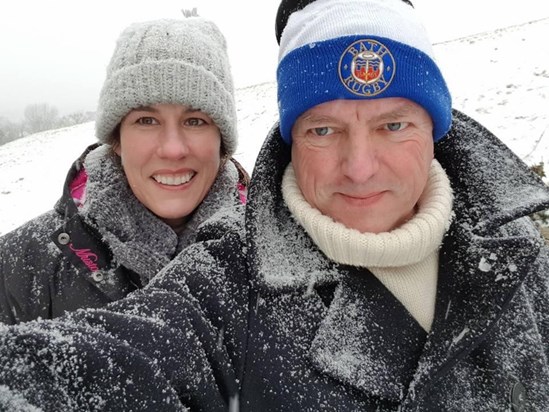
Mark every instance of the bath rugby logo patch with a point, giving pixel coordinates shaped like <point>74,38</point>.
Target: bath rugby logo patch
<point>366,68</point>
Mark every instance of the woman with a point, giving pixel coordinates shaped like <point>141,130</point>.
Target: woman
<point>166,125</point>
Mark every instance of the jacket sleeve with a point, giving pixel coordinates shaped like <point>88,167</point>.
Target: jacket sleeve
<point>151,351</point>
<point>6,314</point>
<point>26,267</point>
<point>14,280</point>
<point>157,349</point>
<point>66,366</point>
<point>538,291</point>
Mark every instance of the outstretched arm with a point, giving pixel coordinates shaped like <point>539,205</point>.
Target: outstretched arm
<point>162,359</point>
<point>160,348</point>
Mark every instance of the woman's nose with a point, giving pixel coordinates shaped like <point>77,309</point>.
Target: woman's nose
<point>173,144</point>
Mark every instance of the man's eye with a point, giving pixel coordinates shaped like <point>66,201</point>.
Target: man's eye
<point>396,126</point>
<point>322,131</point>
<point>195,121</point>
<point>146,120</point>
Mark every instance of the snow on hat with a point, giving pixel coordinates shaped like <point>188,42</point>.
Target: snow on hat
<point>169,61</point>
<point>356,49</point>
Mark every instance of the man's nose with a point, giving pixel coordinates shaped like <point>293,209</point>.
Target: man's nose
<point>360,157</point>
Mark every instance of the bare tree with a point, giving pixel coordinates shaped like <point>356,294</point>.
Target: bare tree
<point>75,118</point>
<point>10,131</point>
<point>39,117</point>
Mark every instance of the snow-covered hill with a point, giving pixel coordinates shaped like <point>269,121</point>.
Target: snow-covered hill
<point>500,78</point>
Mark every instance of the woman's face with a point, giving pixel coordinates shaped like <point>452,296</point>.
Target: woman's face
<point>171,155</point>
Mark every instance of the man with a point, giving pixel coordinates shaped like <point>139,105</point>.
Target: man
<point>387,263</point>
<point>394,263</point>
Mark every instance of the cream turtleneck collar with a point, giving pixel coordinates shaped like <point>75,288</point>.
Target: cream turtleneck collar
<point>405,259</point>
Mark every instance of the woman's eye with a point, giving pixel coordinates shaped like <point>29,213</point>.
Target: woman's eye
<point>195,121</point>
<point>146,120</point>
<point>396,126</point>
<point>322,131</point>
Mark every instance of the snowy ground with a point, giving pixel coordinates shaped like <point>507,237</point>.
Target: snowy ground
<point>499,78</point>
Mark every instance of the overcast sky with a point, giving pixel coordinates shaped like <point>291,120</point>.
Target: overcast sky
<point>57,51</point>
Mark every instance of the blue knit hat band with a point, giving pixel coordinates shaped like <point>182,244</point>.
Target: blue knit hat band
<point>360,67</point>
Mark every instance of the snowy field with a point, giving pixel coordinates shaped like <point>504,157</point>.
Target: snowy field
<point>500,78</point>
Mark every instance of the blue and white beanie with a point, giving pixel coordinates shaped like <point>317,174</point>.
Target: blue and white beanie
<point>357,49</point>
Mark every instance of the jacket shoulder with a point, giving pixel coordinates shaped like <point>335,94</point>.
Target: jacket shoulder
<point>28,258</point>
<point>35,231</point>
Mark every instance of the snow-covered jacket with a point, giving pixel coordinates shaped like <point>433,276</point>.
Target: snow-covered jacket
<point>89,255</point>
<point>326,336</point>
<point>261,320</point>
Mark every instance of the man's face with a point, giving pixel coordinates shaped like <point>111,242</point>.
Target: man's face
<point>364,163</point>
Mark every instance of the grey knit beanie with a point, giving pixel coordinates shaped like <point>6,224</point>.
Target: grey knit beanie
<point>169,61</point>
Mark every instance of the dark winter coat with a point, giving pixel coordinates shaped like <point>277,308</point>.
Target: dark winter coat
<point>324,336</point>
<point>72,258</point>
<point>265,311</point>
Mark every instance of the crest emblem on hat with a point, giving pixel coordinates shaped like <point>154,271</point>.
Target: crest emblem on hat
<point>366,68</point>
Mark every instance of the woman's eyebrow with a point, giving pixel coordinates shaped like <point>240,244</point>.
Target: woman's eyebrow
<point>145,109</point>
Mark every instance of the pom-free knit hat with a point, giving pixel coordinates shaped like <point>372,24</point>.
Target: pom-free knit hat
<point>169,61</point>
<point>356,49</point>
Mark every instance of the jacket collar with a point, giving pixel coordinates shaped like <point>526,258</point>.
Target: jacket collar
<point>277,263</point>
<point>481,263</point>
<point>488,179</point>
<point>353,344</point>
<point>492,185</point>
<point>65,205</point>
<point>478,277</point>
<point>118,224</point>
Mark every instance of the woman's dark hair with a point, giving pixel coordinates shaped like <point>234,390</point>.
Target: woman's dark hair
<point>114,137</point>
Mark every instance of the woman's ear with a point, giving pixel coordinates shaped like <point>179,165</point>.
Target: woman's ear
<point>116,147</point>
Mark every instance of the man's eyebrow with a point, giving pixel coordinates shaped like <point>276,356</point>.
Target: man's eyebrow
<point>402,110</point>
<point>317,118</point>
<point>399,112</point>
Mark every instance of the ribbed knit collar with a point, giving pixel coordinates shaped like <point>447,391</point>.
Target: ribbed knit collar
<point>408,244</point>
